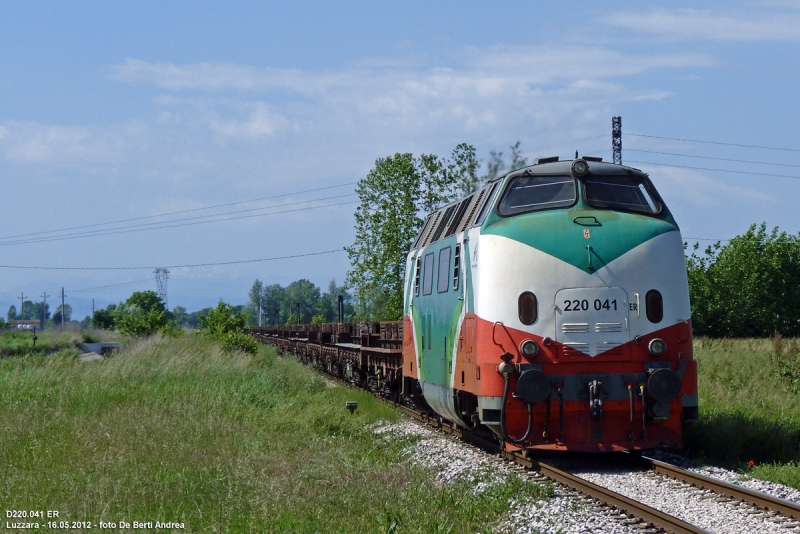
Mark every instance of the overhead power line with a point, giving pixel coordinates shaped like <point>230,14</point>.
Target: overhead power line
<point>180,212</point>
<point>716,170</point>
<point>188,265</point>
<point>111,285</point>
<point>709,157</point>
<point>168,224</point>
<point>715,142</point>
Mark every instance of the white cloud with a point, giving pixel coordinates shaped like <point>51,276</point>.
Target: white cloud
<point>206,109</point>
<point>692,24</point>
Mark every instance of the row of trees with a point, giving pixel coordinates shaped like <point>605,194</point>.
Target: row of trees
<point>299,302</point>
<point>749,287</point>
<point>39,310</point>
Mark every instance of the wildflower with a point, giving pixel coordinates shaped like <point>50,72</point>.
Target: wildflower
<point>751,463</point>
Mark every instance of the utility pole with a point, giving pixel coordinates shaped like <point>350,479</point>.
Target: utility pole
<point>616,139</point>
<point>22,298</point>
<point>44,308</point>
<point>62,309</point>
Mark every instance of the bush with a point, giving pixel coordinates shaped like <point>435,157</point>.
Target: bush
<point>749,287</point>
<point>229,328</point>
<point>132,320</point>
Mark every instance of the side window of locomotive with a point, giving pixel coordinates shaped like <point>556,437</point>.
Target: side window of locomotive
<point>533,193</point>
<point>654,305</point>
<point>620,192</point>
<point>444,270</point>
<point>427,274</point>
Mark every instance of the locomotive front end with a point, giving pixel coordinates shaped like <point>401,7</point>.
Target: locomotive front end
<point>581,312</point>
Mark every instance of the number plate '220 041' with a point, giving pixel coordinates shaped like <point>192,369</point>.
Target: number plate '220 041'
<point>592,321</point>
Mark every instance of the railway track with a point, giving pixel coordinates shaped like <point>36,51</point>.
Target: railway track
<point>657,520</point>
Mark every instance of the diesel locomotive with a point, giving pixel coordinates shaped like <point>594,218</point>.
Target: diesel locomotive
<point>550,307</point>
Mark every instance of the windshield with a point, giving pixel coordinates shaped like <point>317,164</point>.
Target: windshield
<point>531,193</point>
<point>619,192</point>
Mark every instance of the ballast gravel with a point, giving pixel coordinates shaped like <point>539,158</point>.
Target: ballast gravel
<point>702,508</point>
<point>451,460</point>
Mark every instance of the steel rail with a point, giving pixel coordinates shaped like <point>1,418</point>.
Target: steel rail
<point>753,497</point>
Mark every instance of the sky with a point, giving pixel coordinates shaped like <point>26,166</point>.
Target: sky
<point>200,135</point>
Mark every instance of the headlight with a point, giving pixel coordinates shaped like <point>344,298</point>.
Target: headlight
<point>579,167</point>
<point>657,347</point>
<point>529,348</point>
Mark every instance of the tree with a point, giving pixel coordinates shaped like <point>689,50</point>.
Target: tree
<point>272,297</point>
<point>749,287</point>
<point>328,303</point>
<point>303,293</point>
<point>517,162</point>
<point>26,311</point>
<point>464,169</point>
<point>41,311</point>
<point>65,314</point>
<point>143,314</point>
<point>179,315</point>
<point>12,313</point>
<point>104,319</point>
<point>229,328</point>
<point>256,294</point>
<point>146,301</point>
<point>393,195</point>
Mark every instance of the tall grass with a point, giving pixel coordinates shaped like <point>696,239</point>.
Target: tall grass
<point>749,406</point>
<point>175,430</point>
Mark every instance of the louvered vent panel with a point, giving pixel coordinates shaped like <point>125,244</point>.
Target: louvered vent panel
<point>443,223</point>
<point>472,209</point>
<point>575,328</point>
<point>434,223</point>
<point>608,327</point>
<point>462,208</point>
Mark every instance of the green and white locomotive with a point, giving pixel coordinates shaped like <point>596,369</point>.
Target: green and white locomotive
<point>552,307</point>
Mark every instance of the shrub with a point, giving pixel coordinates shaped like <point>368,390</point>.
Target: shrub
<point>229,328</point>
<point>132,320</point>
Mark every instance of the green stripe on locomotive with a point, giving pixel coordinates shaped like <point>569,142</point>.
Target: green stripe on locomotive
<point>555,232</point>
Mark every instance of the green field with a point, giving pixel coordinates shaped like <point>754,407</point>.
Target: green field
<point>749,407</point>
<point>176,430</point>
<point>18,343</point>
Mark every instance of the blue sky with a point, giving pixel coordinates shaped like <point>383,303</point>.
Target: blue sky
<point>114,111</point>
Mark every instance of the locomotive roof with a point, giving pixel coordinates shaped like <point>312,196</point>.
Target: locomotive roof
<point>548,166</point>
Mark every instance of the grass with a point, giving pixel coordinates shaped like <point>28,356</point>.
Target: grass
<point>175,430</point>
<point>18,343</point>
<point>749,407</point>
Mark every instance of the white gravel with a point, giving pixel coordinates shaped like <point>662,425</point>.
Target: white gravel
<point>701,508</point>
<point>571,513</point>
<point>771,488</point>
<point>565,513</point>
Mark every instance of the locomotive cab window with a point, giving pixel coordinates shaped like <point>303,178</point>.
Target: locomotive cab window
<point>533,193</point>
<point>427,274</point>
<point>444,270</point>
<point>620,192</point>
